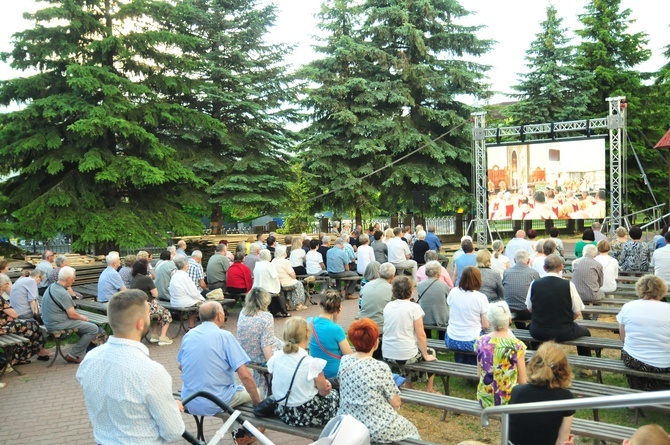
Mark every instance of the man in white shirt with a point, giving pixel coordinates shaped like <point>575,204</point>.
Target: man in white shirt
<point>519,242</point>
<point>660,260</point>
<point>398,253</point>
<point>128,395</point>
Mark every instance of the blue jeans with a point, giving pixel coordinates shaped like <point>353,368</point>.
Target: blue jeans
<point>459,345</point>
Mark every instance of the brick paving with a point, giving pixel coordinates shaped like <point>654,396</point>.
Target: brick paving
<point>46,406</point>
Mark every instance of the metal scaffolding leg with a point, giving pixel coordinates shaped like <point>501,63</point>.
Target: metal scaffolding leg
<point>480,180</point>
<point>617,130</point>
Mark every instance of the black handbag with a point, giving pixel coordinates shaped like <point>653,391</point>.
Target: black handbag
<point>268,406</point>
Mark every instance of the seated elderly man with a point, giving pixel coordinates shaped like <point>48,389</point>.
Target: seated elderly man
<point>110,281</point>
<point>338,267</point>
<point>588,277</point>
<point>217,268</point>
<point>253,257</point>
<point>183,292</point>
<point>24,295</point>
<point>432,255</point>
<point>46,268</point>
<point>197,273</point>
<point>58,313</point>
<point>516,281</point>
<point>209,358</point>
<point>163,273</point>
<point>554,304</point>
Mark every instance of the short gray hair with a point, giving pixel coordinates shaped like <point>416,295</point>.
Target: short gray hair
<point>372,271</point>
<point>180,261</point>
<point>60,260</point>
<point>280,251</point>
<point>325,239</point>
<point>66,272</point>
<point>265,255</point>
<point>171,249</point>
<point>421,234</point>
<point>521,256</point>
<point>4,279</point>
<point>339,242</point>
<point>363,238</point>
<point>430,255</point>
<point>590,251</point>
<point>255,248</point>
<point>196,254</point>
<point>433,269</point>
<point>596,225</point>
<point>553,262</point>
<point>386,271</point>
<point>111,257</point>
<point>220,247</point>
<point>37,273</point>
<point>498,315</point>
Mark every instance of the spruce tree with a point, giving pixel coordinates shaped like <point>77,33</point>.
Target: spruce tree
<point>92,149</point>
<point>242,82</point>
<point>554,89</point>
<point>403,70</point>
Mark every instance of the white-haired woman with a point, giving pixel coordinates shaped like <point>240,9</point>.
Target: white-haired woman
<point>433,293</point>
<point>501,361</point>
<point>420,247</point>
<point>499,262</point>
<point>256,331</point>
<point>289,284</point>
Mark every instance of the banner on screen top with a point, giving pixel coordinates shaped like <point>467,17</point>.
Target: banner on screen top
<point>557,180</point>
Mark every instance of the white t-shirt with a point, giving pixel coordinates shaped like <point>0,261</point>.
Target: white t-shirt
<point>499,264</point>
<point>397,251</point>
<point>538,265</point>
<point>610,272</point>
<point>282,366</point>
<point>465,314</point>
<point>660,261</point>
<point>365,255</point>
<point>297,257</point>
<point>313,261</point>
<point>399,341</point>
<point>647,327</point>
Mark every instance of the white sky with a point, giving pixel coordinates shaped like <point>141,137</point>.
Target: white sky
<point>513,24</point>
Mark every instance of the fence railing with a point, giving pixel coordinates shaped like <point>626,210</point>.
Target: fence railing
<point>620,401</point>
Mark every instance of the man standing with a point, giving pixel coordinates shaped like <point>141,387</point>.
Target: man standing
<point>516,281</point>
<point>660,260</point>
<point>587,276</point>
<point>217,268</point>
<point>181,248</point>
<point>208,359</point>
<point>163,274</point>
<point>58,313</point>
<point>554,305</point>
<point>196,272</point>
<point>46,268</point>
<point>110,281</point>
<point>516,244</point>
<point>398,253</point>
<point>338,267</point>
<point>128,395</point>
<point>596,231</point>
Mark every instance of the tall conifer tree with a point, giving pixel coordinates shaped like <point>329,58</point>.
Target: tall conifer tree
<point>554,89</point>
<point>91,150</point>
<point>242,82</point>
<point>409,69</point>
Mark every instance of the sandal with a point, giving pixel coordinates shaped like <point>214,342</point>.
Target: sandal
<point>44,358</point>
<point>285,315</point>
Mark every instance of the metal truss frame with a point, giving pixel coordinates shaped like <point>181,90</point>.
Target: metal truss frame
<point>482,137</point>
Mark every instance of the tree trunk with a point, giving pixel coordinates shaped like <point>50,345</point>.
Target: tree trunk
<point>216,220</point>
<point>359,217</point>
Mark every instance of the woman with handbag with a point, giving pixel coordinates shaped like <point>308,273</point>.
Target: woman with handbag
<point>368,391</point>
<point>311,400</point>
<point>329,342</point>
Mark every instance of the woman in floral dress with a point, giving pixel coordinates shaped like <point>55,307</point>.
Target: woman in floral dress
<point>255,332</point>
<point>635,254</point>
<point>500,359</point>
<point>10,323</point>
<point>367,390</point>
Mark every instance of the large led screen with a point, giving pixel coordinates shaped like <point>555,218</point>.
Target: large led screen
<point>557,180</point>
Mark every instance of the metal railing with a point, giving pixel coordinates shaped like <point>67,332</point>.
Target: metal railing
<point>619,401</point>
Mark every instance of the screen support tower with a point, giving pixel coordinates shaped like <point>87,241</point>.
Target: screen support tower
<point>615,123</point>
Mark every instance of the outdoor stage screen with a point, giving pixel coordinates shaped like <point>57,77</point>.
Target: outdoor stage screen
<point>556,180</point>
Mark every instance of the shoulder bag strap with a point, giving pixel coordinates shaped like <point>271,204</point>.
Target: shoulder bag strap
<point>56,302</point>
<point>425,290</point>
<point>288,393</point>
<point>316,337</point>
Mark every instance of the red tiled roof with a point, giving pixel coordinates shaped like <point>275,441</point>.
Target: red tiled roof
<point>664,142</point>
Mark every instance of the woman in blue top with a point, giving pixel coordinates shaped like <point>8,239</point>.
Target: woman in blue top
<point>328,341</point>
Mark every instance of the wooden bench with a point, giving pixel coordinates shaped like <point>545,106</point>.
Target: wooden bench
<point>599,309</point>
<point>8,342</point>
<point>98,319</point>
<point>595,324</point>
<point>88,304</point>
<point>596,343</point>
<point>580,427</point>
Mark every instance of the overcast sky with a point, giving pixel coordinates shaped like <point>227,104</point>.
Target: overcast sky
<point>513,24</point>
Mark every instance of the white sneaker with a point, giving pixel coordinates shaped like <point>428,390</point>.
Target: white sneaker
<point>164,341</point>
<point>154,339</point>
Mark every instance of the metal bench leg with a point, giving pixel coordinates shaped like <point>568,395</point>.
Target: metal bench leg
<point>59,350</point>
<point>9,353</point>
<point>200,432</point>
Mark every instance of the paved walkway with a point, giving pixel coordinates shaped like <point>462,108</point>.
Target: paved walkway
<point>46,406</point>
